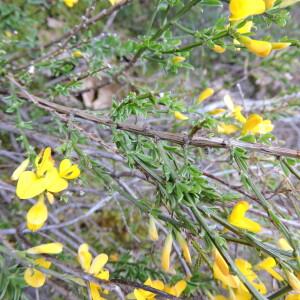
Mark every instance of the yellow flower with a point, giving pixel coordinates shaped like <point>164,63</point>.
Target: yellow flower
<point>217,111</point>
<point>218,49</point>
<point>236,110</point>
<point>221,271</point>
<point>246,268</point>
<point>141,294</point>
<point>229,102</point>
<point>67,170</point>
<point>45,177</point>
<point>241,293</point>
<point>269,3</point>
<point>205,94</point>
<point>94,267</point>
<point>166,253</point>
<point>44,162</point>
<point>237,114</point>
<point>177,289</point>
<point>179,116</point>
<point>70,3</point>
<point>178,59</point>
<point>34,277</point>
<point>50,248</point>
<point>246,28</point>
<point>184,247</point>
<point>238,219</point>
<point>293,297</point>
<point>30,185</point>
<point>37,215</point>
<point>280,45</point>
<point>152,232</point>
<point>115,2</point>
<point>241,9</point>
<point>268,265</point>
<point>226,128</point>
<point>293,281</point>
<point>77,54</point>
<point>257,125</point>
<point>20,169</point>
<point>54,182</point>
<point>259,48</point>
<point>284,245</point>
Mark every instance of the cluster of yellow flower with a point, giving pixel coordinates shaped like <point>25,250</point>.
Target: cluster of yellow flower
<point>254,124</point>
<point>44,179</point>
<point>237,290</point>
<point>221,272</point>
<point>94,267</point>
<point>205,94</point>
<point>241,10</point>
<point>175,290</point>
<point>168,245</point>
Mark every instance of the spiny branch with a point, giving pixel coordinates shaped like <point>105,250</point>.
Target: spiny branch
<point>180,139</point>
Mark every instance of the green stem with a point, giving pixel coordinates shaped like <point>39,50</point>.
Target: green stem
<point>220,35</point>
<point>265,204</point>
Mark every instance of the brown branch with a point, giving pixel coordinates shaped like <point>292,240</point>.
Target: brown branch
<point>180,139</point>
<point>77,273</point>
<point>63,40</point>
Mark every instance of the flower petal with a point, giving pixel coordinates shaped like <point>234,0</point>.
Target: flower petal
<point>178,59</point>
<point>37,215</point>
<point>179,287</point>
<point>67,170</point>
<point>84,257</point>
<point>55,183</point>
<point>218,49</point>
<point>138,293</point>
<point>280,45</point>
<point>103,274</point>
<point>229,102</point>
<point>166,252</point>
<point>226,128</point>
<point>241,9</point>
<point>184,247</point>
<point>20,169</point>
<point>98,263</point>
<point>293,281</point>
<point>44,162</point>
<point>220,262</point>
<point>95,291</point>
<point>237,113</point>
<point>152,230</point>
<point>34,278</point>
<point>29,185</point>
<point>208,92</point>
<point>180,116</point>
<point>50,248</point>
<point>238,219</point>
<point>259,48</point>
<point>284,245</point>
